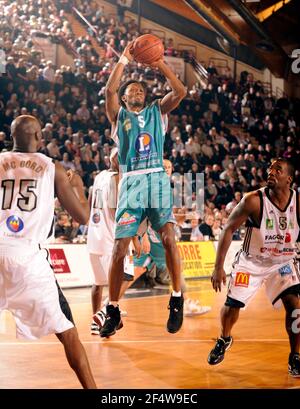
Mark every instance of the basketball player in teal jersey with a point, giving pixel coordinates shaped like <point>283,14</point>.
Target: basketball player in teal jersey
<point>145,190</point>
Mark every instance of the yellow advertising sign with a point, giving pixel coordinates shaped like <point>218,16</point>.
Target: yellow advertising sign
<point>198,258</point>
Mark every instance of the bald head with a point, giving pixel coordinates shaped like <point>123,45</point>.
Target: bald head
<point>168,167</point>
<point>26,132</point>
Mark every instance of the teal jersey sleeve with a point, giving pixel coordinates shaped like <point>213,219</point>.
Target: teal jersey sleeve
<point>140,138</point>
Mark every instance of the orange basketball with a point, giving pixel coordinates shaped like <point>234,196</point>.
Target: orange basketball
<point>147,49</point>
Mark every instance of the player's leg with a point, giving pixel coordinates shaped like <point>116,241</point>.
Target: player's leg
<point>291,304</point>
<point>176,302</point>
<point>138,271</point>
<point>192,306</point>
<point>245,280</point>
<point>283,286</point>
<point>96,297</point>
<point>115,277</point>
<point>100,266</point>
<point>77,357</point>
<point>74,350</point>
<point>128,218</point>
<point>113,320</point>
<point>229,316</point>
<point>167,235</point>
<point>40,308</point>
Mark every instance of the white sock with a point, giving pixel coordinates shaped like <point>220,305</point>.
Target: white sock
<point>105,302</point>
<point>114,303</point>
<point>176,293</point>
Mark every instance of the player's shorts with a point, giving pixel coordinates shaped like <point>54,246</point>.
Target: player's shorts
<point>28,289</point>
<point>158,255</point>
<point>249,275</point>
<point>145,195</point>
<point>101,264</point>
<point>143,261</point>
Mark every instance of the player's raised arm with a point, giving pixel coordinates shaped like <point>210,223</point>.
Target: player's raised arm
<point>77,207</point>
<point>113,83</point>
<point>240,214</point>
<point>173,98</point>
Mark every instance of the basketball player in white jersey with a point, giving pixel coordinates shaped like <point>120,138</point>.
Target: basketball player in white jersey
<point>100,239</point>
<point>272,216</point>
<point>28,288</point>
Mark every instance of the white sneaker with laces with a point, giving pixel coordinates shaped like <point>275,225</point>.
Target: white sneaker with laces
<point>192,307</point>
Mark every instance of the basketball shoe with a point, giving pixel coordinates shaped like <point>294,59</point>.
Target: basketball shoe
<point>112,322</point>
<point>105,304</point>
<point>294,365</point>
<point>176,314</point>
<point>97,323</point>
<point>217,354</point>
<point>192,307</point>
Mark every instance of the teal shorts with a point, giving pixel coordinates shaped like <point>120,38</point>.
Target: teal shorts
<point>142,196</point>
<point>143,261</point>
<point>158,255</point>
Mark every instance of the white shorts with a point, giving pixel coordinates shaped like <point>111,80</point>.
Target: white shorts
<point>101,264</point>
<point>248,276</point>
<point>28,289</point>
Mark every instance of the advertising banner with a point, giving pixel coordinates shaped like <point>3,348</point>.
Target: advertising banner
<point>197,257</point>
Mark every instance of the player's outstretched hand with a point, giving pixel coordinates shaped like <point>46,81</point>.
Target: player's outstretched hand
<point>128,51</point>
<point>156,64</point>
<point>218,277</point>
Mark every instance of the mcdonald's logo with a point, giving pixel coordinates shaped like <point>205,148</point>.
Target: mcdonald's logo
<point>242,279</point>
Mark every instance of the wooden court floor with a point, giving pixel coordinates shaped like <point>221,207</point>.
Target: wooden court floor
<point>144,355</point>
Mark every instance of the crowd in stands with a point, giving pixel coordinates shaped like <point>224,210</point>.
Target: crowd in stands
<point>228,130</point>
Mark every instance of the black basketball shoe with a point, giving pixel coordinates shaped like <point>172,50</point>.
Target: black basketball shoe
<point>176,314</point>
<point>294,365</point>
<point>112,322</point>
<point>216,355</point>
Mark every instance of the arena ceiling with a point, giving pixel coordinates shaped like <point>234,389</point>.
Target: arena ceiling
<point>269,27</point>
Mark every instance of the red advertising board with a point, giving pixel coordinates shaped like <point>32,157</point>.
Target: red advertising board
<point>59,261</point>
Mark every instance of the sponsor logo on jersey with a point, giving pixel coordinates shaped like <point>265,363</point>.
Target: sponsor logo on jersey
<point>14,224</point>
<point>287,238</point>
<point>291,209</point>
<point>276,251</point>
<point>278,237</point>
<point>285,270</point>
<point>127,125</point>
<point>143,143</point>
<point>96,218</point>
<point>242,279</point>
<point>126,219</point>
<point>269,224</point>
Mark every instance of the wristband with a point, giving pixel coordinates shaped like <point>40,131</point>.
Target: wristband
<point>123,60</point>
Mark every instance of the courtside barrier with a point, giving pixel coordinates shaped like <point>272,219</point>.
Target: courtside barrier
<point>72,266</point>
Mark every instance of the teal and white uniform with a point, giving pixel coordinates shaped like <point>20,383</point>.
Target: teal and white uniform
<point>145,189</point>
